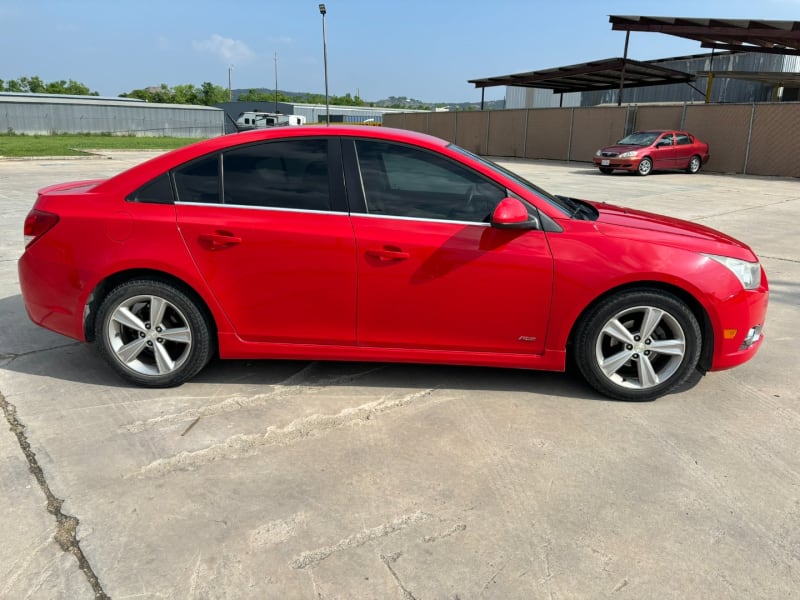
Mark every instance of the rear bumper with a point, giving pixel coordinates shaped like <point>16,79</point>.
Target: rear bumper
<point>52,296</point>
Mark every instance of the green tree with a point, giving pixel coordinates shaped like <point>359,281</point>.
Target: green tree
<point>263,96</point>
<point>207,94</point>
<point>211,94</point>
<point>35,85</point>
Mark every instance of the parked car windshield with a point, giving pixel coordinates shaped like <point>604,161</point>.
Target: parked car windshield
<point>640,138</point>
<point>556,201</point>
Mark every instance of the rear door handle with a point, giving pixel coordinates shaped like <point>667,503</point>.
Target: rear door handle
<point>387,254</point>
<point>219,240</point>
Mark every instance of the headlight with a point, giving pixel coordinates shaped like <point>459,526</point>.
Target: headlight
<point>629,154</point>
<point>748,273</point>
<point>598,153</point>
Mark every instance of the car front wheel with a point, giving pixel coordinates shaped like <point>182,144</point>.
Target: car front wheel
<point>694,164</point>
<point>152,333</point>
<point>638,345</point>
<point>645,167</point>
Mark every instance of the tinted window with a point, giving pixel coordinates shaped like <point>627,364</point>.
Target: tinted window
<point>199,180</point>
<point>157,191</point>
<point>285,174</point>
<point>666,140</point>
<point>683,139</point>
<point>408,182</point>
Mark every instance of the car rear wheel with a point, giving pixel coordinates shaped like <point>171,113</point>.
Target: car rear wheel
<point>645,167</point>
<point>638,345</point>
<point>694,164</point>
<point>606,170</point>
<point>152,333</point>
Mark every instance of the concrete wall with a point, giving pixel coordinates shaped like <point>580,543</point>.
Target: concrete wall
<point>757,139</point>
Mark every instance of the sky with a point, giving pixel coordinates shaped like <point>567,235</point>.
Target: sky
<point>426,50</point>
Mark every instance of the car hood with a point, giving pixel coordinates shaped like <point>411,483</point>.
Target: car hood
<point>620,148</point>
<point>617,221</point>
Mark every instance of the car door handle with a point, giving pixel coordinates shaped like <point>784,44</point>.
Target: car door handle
<point>219,240</point>
<point>388,254</point>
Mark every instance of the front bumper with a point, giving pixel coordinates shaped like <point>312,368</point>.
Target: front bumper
<point>621,164</point>
<point>738,333</point>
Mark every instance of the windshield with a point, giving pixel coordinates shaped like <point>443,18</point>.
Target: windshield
<point>640,138</point>
<point>556,201</point>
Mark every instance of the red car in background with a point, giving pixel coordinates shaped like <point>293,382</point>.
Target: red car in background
<point>656,150</point>
<point>376,244</point>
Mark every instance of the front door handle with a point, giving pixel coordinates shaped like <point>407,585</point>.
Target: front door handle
<point>388,254</point>
<point>219,240</point>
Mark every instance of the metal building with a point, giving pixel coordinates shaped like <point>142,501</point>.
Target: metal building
<point>724,90</point>
<point>314,113</point>
<point>43,114</point>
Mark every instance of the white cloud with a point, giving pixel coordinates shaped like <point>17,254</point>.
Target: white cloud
<point>228,50</point>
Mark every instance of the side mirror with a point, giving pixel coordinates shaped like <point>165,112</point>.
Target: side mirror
<point>511,213</point>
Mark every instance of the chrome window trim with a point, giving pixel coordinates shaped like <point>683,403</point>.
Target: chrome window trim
<point>425,220</point>
<point>332,212</point>
<point>264,208</point>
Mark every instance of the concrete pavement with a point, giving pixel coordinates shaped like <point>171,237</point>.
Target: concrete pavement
<point>334,480</point>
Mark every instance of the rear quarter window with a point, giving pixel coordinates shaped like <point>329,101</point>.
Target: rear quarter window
<point>156,191</point>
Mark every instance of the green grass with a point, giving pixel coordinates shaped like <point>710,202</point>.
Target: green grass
<point>13,145</point>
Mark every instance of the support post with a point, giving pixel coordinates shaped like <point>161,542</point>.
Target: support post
<point>622,71</point>
<point>710,83</point>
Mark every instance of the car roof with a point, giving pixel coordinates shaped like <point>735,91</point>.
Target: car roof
<point>144,172</point>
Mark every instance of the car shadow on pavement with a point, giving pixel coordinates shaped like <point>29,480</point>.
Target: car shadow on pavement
<point>32,351</point>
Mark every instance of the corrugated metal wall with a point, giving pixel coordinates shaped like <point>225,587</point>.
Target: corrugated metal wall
<point>44,116</point>
<point>758,139</point>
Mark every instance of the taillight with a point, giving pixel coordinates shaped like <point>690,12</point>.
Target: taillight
<point>37,223</point>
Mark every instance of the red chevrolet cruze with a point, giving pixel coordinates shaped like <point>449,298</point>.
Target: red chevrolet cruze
<point>374,244</point>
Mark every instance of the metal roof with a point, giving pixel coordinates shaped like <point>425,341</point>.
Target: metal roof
<point>772,37</point>
<point>590,76</point>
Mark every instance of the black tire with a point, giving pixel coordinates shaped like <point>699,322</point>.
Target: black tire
<point>606,170</point>
<point>164,353</point>
<point>645,167</point>
<point>637,345</point>
<point>694,165</point>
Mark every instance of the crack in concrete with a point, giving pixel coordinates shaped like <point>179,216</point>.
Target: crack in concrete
<point>234,403</point>
<point>745,209</point>
<point>304,428</point>
<point>791,260</point>
<point>11,356</point>
<point>66,525</point>
<point>388,561</point>
<point>313,557</point>
<point>458,528</point>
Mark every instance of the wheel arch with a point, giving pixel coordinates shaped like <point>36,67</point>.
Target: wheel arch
<point>102,289</point>
<point>700,313</point>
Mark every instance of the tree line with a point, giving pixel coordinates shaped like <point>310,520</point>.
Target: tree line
<point>35,85</point>
<point>206,94</point>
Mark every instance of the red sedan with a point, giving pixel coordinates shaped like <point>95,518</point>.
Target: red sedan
<point>370,244</point>
<point>648,151</point>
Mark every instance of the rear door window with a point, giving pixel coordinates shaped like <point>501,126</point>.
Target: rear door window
<point>198,181</point>
<point>291,174</point>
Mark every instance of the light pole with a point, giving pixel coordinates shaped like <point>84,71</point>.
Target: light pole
<point>276,82</point>
<point>230,91</point>
<point>322,11</point>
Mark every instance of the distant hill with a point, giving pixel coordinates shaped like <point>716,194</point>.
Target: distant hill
<point>390,102</point>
